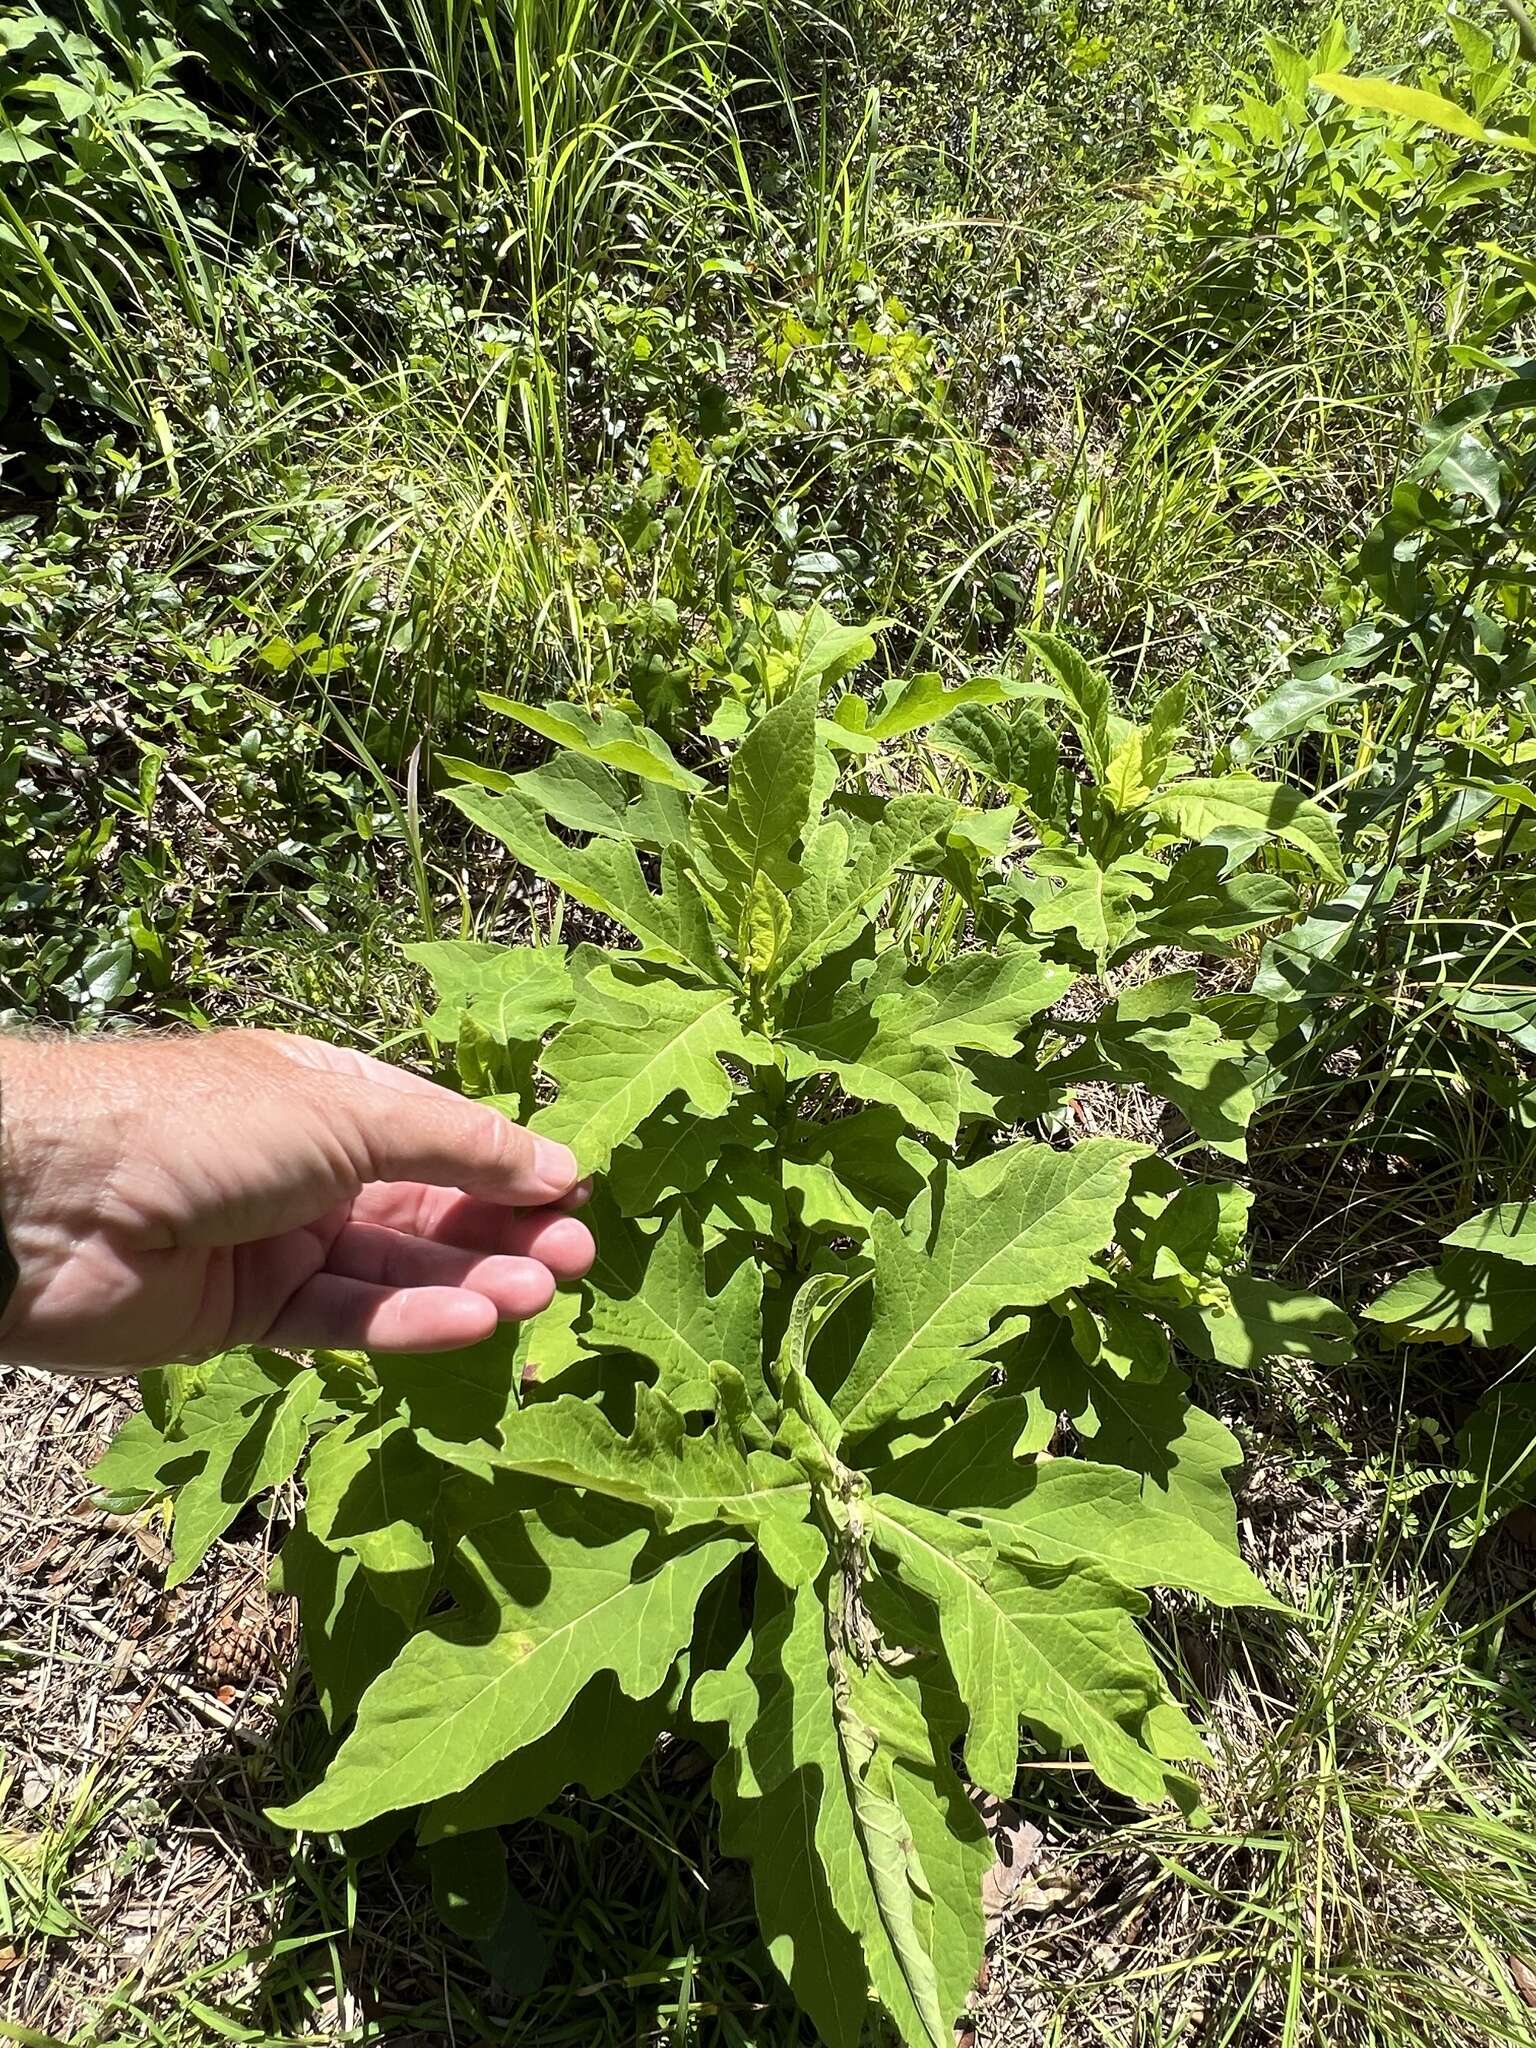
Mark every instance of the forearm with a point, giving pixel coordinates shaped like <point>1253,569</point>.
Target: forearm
<point>23,1061</point>
<point>8,1270</point>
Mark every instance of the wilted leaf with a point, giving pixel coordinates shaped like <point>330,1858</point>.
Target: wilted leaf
<point>866,1859</point>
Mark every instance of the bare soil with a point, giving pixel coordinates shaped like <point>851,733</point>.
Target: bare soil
<point>124,1714</point>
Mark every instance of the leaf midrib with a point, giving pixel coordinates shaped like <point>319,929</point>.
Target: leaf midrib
<point>876,1890</point>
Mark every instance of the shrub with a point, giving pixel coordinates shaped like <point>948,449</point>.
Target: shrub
<point>101,143</point>
<point>864,1438</point>
<point>1312,198</point>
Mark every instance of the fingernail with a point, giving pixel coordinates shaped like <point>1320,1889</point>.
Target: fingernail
<point>554,1165</point>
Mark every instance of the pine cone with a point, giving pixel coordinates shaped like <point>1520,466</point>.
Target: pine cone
<point>232,1653</point>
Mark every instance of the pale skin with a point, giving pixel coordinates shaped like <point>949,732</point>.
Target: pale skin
<point>166,1198</point>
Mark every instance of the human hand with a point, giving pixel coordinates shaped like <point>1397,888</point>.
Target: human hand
<point>166,1198</point>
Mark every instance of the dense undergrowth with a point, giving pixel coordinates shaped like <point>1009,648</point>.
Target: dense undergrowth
<point>1101,458</point>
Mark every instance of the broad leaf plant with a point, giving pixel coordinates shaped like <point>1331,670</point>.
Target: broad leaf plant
<point>1481,1292</point>
<point>859,1449</point>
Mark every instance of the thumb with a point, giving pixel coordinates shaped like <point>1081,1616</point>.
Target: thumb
<point>408,1129</point>
<point>429,1134</point>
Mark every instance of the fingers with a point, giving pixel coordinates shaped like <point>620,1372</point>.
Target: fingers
<point>445,1216</point>
<point>334,1313</point>
<point>448,1142</point>
<point>385,1290</point>
<point>519,1287</point>
<point>563,1243</point>
<point>343,1060</point>
<point>402,1128</point>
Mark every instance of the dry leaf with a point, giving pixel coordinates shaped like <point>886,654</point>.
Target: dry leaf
<point>121,1672</point>
<point>1016,1843</point>
<point>1525,1979</point>
<point>36,1788</point>
<point>1059,1888</point>
<point>52,1552</point>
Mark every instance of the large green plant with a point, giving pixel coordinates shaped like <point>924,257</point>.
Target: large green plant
<point>865,1436</point>
<point>1316,193</point>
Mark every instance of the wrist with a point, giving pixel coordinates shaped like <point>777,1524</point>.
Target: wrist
<point>49,1198</point>
<point>22,1061</point>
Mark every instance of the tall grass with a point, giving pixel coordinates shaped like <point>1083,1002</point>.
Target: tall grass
<point>590,129</point>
